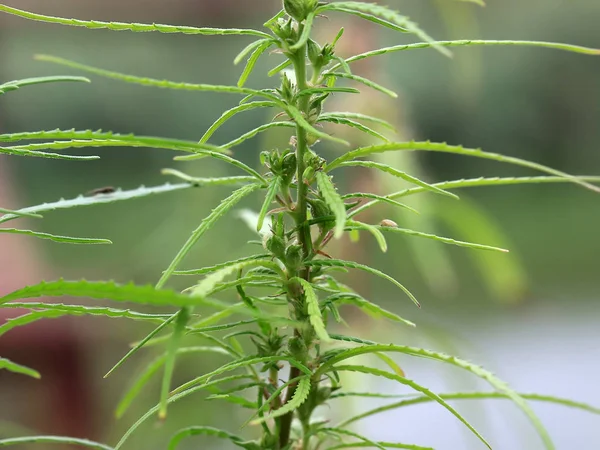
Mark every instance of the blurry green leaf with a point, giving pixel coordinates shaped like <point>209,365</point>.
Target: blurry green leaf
<point>53,440</point>
<point>209,431</point>
<point>332,116</point>
<point>353,124</point>
<point>366,306</point>
<point>272,191</point>
<point>300,395</point>
<point>18,214</point>
<point>364,81</point>
<point>333,200</point>
<point>17,368</point>
<point>256,54</point>
<point>16,84</point>
<point>314,310</point>
<point>377,234</point>
<point>295,114</point>
<point>55,238</point>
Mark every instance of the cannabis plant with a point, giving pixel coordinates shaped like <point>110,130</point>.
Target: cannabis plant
<point>289,295</point>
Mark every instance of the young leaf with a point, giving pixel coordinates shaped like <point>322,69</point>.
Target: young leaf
<point>430,236</point>
<point>355,265</point>
<point>455,149</point>
<point>206,224</point>
<point>308,23</point>
<point>118,195</point>
<point>55,238</point>
<point>53,439</point>
<point>232,112</point>
<point>366,306</point>
<point>331,116</point>
<point>272,191</point>
<point>364,81</point>
<point>136,27</point>
<point>378,198</point>
<point>333,200</point>
<point>215,268</point>
<point>181,322</point>
<point>17,368</point>
<point>254,132</point>
<point>295,114</point>
<point>378,235</point>
<point>353,124</point>
<point>417,387</point>
<point>395,172</point>
<point>300,395</point>
<point>314,310</point>
<point>16,84</point>
<point>24,151</point>
<point>256,54</point>
<point>158,83</point>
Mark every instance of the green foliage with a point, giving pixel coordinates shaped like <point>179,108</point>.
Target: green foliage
<point>288,289</point>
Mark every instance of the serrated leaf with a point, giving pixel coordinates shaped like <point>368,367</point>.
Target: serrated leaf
<point>18,214</point>
<point>368,442</point>
<point>157,83</point>
<point>118,195</point>
<point>392,171</point>
<point>473,182</point>
<point>55,238</point>
<point>53,310</point>
<point>7,364</point>
<point>455,149</point>
<point>391,363</point>
<point>471,396</point>
<point>434,237</point>
<point>204,226</point>
<point>20,151</point>
<point>471,42</point>
<point>365,81</point>
<point>357,116</point>
<point>256,54</point>
<point>355,265</point>
<point>206,270</point>
<point>53,439</point>
<point>353,124</point>
<point>256,131</point>
<point>300,395</point>
<point>417,387</point>
<point>16,84</point>
<point>272,191</point>
<point>375,231</point>
<point>333,200</point>
<point>181,321</point>
<point>295,114</point>
<point>379,198</point>
<point>314,310</point>
<point>140,344</point>
<point>326,90</point>
<point>207,285</point>
<point>232,112</point>
<point>366,306</point>
<point>241,363</point>
<point>136,27</point>
<point>108,290</point>
<point>109,136</point>
<point>390,19</point>
<point>501,386</point>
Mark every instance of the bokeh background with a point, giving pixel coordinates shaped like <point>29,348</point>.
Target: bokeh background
<point>532,317</point>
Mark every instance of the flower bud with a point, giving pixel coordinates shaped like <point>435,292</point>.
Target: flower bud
<point>299,9</point>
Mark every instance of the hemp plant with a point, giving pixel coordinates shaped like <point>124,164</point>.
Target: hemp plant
<point>288,292</point>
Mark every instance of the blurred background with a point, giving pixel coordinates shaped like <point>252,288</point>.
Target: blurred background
<point>531,317</point>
